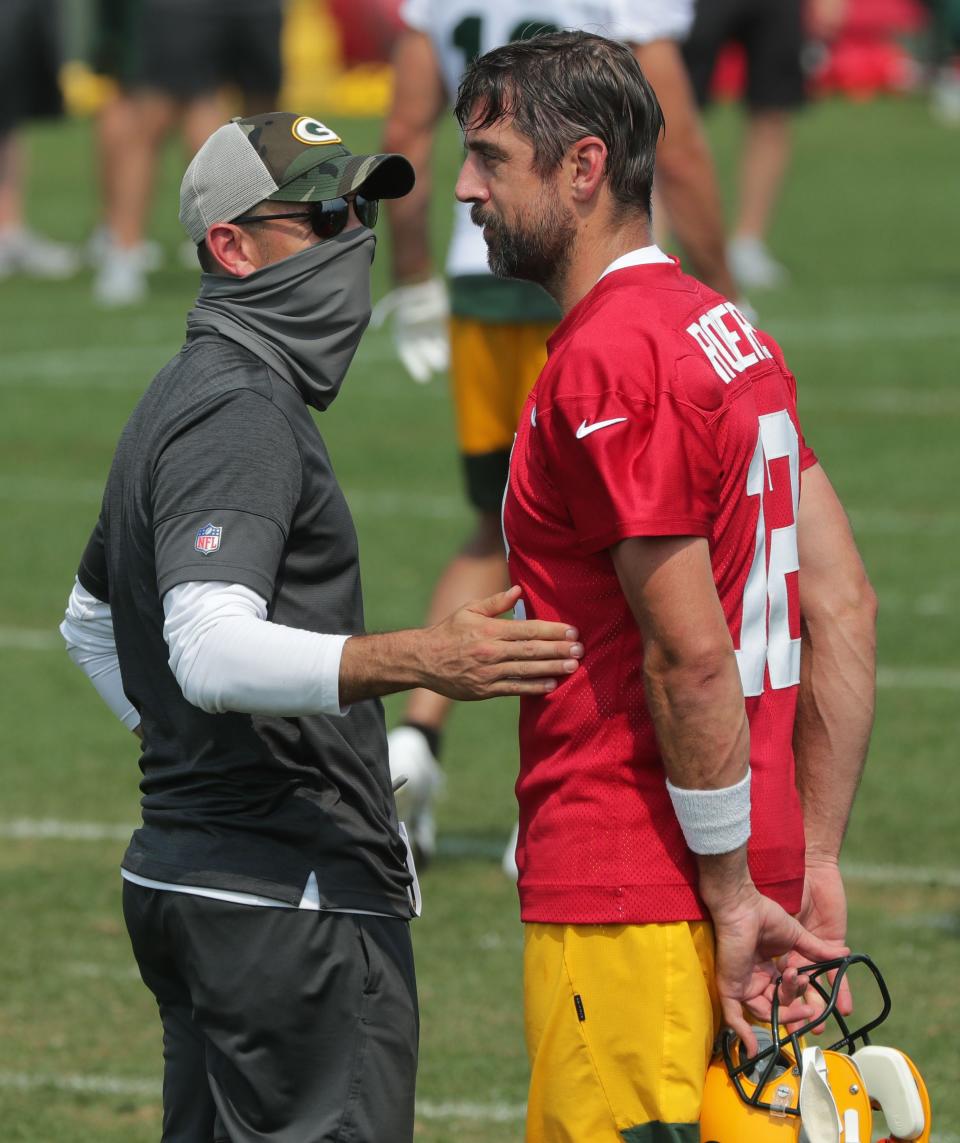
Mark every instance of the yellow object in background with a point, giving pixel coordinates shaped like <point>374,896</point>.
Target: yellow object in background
<point>314,80</point>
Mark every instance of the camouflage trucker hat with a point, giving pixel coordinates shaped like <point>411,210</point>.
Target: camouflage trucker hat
<point>290,158</point>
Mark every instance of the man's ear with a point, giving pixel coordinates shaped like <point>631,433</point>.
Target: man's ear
<point>233,249</point>
<point>587,164</point>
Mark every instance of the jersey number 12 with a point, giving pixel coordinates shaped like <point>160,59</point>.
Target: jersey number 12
<point>765,628</point>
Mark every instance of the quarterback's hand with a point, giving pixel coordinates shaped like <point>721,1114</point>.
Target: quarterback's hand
<point>419,313</point>
<point>823,912</point>
<point>754,937</point>
<point>473,655</point>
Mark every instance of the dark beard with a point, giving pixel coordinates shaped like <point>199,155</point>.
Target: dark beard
<point>537,251</point>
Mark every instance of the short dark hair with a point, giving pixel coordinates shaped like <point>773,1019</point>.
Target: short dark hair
<point>561,86</point>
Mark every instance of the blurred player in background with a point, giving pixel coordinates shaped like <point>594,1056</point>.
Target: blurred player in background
<point>497,328</point>
<point>29,89</point>
<point>772,34</point>
<point>945,86</point>
<point>170,60</point>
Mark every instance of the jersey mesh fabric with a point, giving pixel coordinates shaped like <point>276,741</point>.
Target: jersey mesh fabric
<point>631,432</point>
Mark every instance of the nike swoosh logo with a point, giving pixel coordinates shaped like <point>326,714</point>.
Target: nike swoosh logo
<point>585,430</point>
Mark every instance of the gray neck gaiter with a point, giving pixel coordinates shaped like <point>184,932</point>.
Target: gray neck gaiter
<point>303,316</point>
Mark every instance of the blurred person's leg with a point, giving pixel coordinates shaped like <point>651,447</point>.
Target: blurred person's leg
<point>115,55</point>
<point>201,115</point>
<point>764,162</point>
<point>686,178</point>
<point>29,89</point>
<point>135,135</point>
<point>773,39</point>
<point>148,54</point>
<point>11,178</point>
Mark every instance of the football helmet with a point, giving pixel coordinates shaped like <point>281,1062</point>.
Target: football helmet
<point>790,1092</point>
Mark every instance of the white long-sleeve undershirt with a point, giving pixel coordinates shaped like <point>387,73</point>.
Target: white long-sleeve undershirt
<point>87,629</point>
<point>224,653</point>
<point>227,656</point>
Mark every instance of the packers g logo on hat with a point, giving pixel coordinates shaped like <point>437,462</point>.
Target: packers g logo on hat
<point>312,132</point>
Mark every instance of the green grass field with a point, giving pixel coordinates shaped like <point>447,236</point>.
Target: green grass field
<point>870,326</point>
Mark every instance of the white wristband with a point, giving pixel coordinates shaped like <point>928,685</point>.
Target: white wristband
<point>713,821</point>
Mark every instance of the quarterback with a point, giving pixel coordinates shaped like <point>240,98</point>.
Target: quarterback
<point>682,806</point>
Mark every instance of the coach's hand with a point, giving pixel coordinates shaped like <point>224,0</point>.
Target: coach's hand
<point>470,655</point>
<point>474,655</point>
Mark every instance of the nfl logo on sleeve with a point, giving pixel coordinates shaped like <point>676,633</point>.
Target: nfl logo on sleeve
<point>208,539</point>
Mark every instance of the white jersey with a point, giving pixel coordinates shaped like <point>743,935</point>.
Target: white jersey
<point>461,30</point>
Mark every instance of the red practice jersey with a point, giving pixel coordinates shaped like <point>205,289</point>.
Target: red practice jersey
<point>660,412</point>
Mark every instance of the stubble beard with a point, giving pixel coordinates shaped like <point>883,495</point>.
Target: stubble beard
<point>536,249</point>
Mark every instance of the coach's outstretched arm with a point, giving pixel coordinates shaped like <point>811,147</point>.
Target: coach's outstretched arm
<point>695,698</point>
<point>226,654</point>
<point>838,617</point>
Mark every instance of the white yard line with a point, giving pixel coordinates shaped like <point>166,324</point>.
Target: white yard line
<point>123,367</point>
<point>101,971</point>
<point>120,1085</point>
<point>432,506</point>
<point>450,506</point>
<point>855,329</point>
<point>474,1112</point>
<point>28,639</point>
<point>93,1084</point>
<point>919,678</point>
<point>894,522</point>
<point>882,401</point>
<point>939,878</point>
<point>54,829</point>
<point>50,489</point>
<point>86,369</point>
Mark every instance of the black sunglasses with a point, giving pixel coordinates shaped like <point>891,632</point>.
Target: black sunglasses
<point>330,217</point>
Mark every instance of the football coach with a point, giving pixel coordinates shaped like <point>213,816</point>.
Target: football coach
<point>218,611</point>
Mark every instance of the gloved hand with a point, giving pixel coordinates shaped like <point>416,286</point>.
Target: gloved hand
<point>419,331</point>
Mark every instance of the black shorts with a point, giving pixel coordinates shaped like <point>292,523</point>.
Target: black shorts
<point>771,32</point>
<point>486,479</point>
<point>278,1023</point>
<point>29,61</point>
<point>186,48</point>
